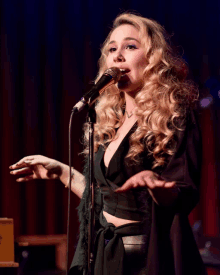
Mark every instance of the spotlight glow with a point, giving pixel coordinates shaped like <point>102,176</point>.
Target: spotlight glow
<point>205,102</point>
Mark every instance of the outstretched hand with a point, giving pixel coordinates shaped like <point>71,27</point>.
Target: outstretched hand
<point>162,192</point>
<point>36,167</point>
<point>145,179</point>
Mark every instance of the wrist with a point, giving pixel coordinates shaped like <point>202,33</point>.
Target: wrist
<point>70,177</point>
<point>64,176</point>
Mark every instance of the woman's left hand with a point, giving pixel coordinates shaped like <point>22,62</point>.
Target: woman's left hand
<point>162,192</point>
<point>147,179</point>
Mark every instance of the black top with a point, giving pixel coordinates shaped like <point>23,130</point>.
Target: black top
<point>124,205</point>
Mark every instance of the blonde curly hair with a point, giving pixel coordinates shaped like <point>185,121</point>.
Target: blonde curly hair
<point>162,102</point>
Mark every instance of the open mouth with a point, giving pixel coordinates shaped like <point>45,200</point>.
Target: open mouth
<point>124,79</point>
<point>124,71</point>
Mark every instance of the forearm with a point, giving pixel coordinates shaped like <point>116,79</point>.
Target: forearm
<point>78,182</point>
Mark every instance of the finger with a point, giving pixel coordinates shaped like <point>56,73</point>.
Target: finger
<point>159,183</point>
<point>126,186</point>
<point>141,182</point>
<point>29,159</point>
<point>169,184</point>
<point>148,182</point>
<point>153,182</point>
<point>36,161</point>
<point>25,170</point>
<point>22,162</point>
<point>18,165</point>
<point>27,178</point>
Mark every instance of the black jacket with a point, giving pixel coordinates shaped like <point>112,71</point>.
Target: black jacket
<point>172,249</point>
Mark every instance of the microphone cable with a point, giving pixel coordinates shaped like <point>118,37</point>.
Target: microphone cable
<point>71,175</point>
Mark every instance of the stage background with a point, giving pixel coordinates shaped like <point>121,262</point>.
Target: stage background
<point>49,52</point>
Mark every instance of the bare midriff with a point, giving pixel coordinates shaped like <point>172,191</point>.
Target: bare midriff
<point>115,220</point>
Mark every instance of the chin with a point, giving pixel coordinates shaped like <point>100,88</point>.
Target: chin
<point>123,86</point>
<point>126,88</point>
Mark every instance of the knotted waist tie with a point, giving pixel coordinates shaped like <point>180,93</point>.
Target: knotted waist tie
<point>109,246</point>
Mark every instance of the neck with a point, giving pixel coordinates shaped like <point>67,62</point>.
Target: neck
<point>130,103</point>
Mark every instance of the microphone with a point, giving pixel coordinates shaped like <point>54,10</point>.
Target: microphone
<point>110,76</point>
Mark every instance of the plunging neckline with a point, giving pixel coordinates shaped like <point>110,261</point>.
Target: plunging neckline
<point>120,144</point>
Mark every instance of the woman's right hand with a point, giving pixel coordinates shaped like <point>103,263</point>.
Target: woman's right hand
<point>37,167</point>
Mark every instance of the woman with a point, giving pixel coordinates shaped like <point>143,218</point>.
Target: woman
<point>147,160</point>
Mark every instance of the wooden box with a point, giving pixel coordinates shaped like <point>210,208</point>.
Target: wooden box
<point>7,243</point>
<point>6,240</point>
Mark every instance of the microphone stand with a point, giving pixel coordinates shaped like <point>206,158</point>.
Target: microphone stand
<point>110,76</point>
<point>91,225</point>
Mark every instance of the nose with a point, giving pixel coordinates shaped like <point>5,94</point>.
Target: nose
<point>118,57</point>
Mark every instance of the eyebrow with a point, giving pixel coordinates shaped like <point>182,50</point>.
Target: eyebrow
<point>126,38</point>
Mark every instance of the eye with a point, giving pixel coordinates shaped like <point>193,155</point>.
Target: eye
<point>112,49</point>
<point>131,47</point>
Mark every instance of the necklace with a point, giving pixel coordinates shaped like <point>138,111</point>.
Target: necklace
<point>131,113</point>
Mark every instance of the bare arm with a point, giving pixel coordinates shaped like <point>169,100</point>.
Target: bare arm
<point>40,167</point>
<point>78,182</point>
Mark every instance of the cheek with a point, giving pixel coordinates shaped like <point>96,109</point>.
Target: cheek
<point>108,61</point>
<point>140,63</point>
<point>139,68</point>
<point>143,63</point>
<point>109,58</point>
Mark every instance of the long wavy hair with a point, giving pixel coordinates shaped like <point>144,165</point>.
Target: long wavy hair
<point>162,103</point>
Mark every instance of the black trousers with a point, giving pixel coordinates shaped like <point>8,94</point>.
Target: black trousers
<point>135,255</point>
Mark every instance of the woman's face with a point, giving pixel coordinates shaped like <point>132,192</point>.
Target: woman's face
<point>126,52</point>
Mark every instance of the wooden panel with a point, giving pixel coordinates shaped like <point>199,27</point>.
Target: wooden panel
<point>59,241</point>
<point>6,240</point>
<point>8,264</point>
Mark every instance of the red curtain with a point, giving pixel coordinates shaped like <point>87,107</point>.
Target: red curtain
<point>48,52</point>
